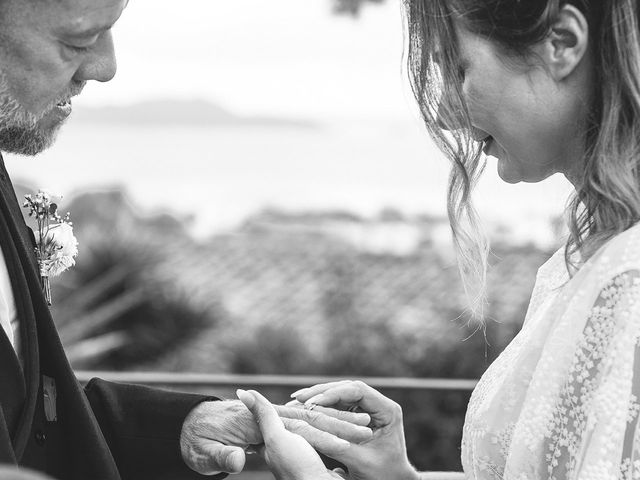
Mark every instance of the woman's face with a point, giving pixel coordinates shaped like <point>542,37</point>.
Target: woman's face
<point>532,123</point>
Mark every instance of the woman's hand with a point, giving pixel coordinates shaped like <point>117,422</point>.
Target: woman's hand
<point>288,455</point>
<point>385,454</point>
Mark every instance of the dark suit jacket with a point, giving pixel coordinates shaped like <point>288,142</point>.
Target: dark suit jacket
<point>105,431</point>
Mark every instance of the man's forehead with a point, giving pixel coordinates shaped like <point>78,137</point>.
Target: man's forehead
<point>82,14</point>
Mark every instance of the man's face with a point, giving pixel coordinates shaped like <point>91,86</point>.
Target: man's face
<point>49,49</point>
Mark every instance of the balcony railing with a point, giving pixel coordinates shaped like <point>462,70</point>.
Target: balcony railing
<point>212,381</point>
<point>203,382</point>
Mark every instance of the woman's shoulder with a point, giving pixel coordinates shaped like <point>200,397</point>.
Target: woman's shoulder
<point>619,254</point>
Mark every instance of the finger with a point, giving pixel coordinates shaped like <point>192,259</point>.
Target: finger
<point>356,418</point>
<point>345,430</point>
<point>304,394</point>
<point>355,393</point>
<point>216,457</point>
<point>264,413</point>
<point>362,419</point>
<point>323,442</point>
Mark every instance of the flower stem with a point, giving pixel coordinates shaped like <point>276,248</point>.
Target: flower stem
<point>46,288</point>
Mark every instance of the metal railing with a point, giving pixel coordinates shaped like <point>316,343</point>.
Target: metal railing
<point>205,380</point>
<point>211,382</point>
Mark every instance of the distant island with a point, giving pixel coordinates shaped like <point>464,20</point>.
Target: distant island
<point>180,112</point>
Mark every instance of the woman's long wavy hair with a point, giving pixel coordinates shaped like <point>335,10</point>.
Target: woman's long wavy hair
<point>607,196</point>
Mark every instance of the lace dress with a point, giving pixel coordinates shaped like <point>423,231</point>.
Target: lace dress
<point>561,402</point>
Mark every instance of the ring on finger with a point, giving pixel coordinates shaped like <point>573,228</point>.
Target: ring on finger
<point>310,406</point>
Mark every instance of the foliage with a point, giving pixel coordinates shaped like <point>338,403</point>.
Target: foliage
<point>351,7</point>
<point>290,294</point>
<point>109,309</point>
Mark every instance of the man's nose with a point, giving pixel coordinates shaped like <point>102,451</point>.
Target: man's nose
<point>100,63</point>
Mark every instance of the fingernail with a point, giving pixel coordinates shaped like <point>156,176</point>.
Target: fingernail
<point>292,403</point>
<point>367,431</point>
<point>365,417</point>
<point>297,392</point>
<point>317,399</point>
<point>245,397</point>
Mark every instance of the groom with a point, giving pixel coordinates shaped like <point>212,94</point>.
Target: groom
<point>49,50</point>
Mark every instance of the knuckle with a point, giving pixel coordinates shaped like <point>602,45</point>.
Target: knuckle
<point>259,419</point>
<point>359,384</point>
<point>396,409</point>
<point>314,416</point>
<point>305,428</point>
<point>216,460</point>
<point>343,415</point>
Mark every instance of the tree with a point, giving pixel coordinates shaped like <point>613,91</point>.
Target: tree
<point>351,7</point>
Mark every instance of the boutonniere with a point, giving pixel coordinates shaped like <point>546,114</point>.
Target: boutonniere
<point>56,246</point>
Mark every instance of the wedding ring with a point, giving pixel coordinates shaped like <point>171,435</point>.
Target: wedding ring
<point>251,449</point>
<point>310,406</point>
<point>353,408</point>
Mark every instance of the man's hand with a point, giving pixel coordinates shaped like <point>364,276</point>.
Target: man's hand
<point>215,434</point>
<point>288,455</point>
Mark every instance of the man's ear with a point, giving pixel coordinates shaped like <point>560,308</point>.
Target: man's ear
<point>567,44</point>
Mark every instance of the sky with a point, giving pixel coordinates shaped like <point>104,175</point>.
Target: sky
<point>277,57</point>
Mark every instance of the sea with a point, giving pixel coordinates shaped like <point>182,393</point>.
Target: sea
<point>216,176</point>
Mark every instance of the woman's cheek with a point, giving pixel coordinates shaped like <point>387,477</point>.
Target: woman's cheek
<point>478,108</point>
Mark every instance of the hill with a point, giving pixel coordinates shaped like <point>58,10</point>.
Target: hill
<point>179,112</point>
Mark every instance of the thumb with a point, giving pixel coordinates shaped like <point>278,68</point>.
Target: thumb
<point>263,412</point>
<point>223,458</point>
<point>340,472</point>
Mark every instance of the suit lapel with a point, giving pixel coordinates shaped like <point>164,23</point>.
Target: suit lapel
<point>20,259</point>
<point>42,344</point>
<point>13,393</point>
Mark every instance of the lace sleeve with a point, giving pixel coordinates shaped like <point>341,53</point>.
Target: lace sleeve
<point>593,433</point>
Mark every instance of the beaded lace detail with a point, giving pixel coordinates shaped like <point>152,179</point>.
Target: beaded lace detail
<point>562,401</point>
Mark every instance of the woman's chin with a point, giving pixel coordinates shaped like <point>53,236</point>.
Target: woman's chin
<point>509,172</point>
<point>512,172</point>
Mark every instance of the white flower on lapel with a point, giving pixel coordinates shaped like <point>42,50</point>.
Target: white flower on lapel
<point>63,247</point>
<point>56,246</point>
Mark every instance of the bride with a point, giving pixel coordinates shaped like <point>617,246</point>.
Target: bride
<point>544,86</point>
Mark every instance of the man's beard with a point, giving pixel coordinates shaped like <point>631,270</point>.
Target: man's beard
<point>20,130</point>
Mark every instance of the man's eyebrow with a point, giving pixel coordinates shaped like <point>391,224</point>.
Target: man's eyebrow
<point>97,30</point>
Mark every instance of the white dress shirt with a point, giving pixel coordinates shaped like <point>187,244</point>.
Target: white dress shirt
<point>8,316</point>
